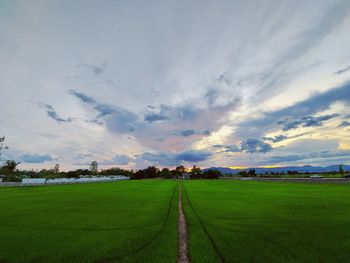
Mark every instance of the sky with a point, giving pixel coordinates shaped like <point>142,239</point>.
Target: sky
<point>165,83</point>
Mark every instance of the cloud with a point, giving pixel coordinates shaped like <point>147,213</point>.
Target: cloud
<point>281,137</point>
<point>96,69</point>
<point>82,97</point>
<point>190,132</point>
<point>152,117</point>
<point>341,71</point>
<point>277,138</point>
<point>305,156</point>
<point>252,145</point>
<point>50,111</point>
<point>231,148</point>
<point>159,158</point>
<point>193,156</point>
<point>201,117</point>
<point>117,119</point>
<point>119,159</point>
<point>172,159</point>
<point>344,124</point>
<point>35,158</point>
<point>121,121</point>
<point>170,112</point>
<point>318,102</point>
<point>197,78</point>
<point>185,133</point>
<point>206,132</point>
<point>82,156</point>
<point>314,104</point>
<point>279,73</point>
<point>308,121</point>
<point>227,148</point>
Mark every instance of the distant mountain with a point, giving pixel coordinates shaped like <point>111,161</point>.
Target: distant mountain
<point>305,168</point>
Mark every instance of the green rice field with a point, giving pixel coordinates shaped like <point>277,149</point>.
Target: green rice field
<point>236,221</point>
<point>128,221</point>
<point>136,221</point>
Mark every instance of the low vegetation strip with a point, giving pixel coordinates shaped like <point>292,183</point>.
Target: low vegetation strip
<point>182,233</point>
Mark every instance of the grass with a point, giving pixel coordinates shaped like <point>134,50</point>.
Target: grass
<point>129,221</point>
<point>235,221</point>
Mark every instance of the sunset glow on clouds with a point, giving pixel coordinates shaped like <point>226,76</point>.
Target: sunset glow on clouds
<point>210,83</point>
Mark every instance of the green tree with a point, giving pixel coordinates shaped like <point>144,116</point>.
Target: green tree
<point>252,173</point>
<point>72,174</point>
<point>10,166</point>
<point>196,172</point>
<point>341,170</point>
<point>9,169</point>
<point>166,173</point>
<point>151,172</point>
<point>179,171</point>
<point>211,174</point>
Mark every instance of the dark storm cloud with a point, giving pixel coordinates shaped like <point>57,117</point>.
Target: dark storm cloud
<point>50,111</point>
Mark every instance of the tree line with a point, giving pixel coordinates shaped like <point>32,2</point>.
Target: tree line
<point>11,174</point>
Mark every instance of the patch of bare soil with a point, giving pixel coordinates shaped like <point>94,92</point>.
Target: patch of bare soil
<point>182,234</point>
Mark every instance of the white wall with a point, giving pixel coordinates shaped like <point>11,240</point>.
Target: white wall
<point>33,180</point>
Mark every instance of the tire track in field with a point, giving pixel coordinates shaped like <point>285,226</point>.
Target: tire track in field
<point>182,256</point>
<point>212,242</point>
<point>139,249</point>
<point>84,229</point>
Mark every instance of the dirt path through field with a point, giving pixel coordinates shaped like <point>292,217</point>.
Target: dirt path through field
<point>182,234</point>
